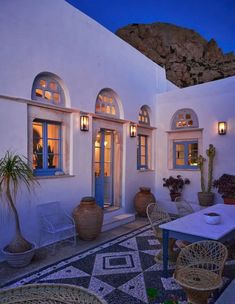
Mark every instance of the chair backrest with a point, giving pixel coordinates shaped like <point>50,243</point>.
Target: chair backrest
<point>157,215</point>
<point>52,213</point>
<point>183,206</point>
<point>50,208</point>
<point>209,255</point>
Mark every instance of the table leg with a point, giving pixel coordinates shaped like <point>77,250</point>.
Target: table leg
<point>165,235</point>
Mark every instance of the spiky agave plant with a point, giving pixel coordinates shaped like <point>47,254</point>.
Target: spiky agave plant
<point>15,171</point>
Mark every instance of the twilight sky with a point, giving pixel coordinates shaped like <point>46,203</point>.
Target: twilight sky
<point>210,18</point>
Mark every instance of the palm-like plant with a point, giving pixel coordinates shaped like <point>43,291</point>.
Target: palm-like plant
<point>14,171</point>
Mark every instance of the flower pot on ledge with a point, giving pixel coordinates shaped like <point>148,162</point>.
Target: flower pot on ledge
<point>229,200</point>
<point>206,198</point>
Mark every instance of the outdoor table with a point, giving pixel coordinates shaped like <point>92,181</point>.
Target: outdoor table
<point>193,228</point>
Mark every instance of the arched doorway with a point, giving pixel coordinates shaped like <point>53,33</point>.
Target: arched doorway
<point>107,158</point>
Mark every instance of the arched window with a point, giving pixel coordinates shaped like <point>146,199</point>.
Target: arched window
<point>185,149</point>
<point>47,88</point>
<point>184,118</point>
<point>107,104</point>
<point>144,116</point>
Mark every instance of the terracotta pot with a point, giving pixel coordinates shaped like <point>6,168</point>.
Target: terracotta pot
<point>142,199</point>
<point>88,217</point>
<point>174,195</point>
<point>229,200</point>
<point>206,198</point>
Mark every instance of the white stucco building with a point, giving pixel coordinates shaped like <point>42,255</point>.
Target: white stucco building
<point>56,65</point>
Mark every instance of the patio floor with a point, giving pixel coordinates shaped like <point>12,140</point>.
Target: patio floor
<point>64,249</point>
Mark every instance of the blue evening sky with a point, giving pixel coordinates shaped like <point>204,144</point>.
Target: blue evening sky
<point>210,18</point>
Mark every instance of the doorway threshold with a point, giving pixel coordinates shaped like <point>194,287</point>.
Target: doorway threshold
<point>111,209</point>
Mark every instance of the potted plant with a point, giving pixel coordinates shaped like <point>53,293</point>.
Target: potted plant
<point>14,171</point>
<point>38,153</point>
<point>206,197</point>
<point>50,157</point>
<point>175,185</point>
<point>226,187</point>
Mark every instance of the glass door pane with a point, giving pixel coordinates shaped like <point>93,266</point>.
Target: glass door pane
<point>179,154</point>
<point>103,167</point>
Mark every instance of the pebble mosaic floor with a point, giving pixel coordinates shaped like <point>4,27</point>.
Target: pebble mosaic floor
<point>120,271</point>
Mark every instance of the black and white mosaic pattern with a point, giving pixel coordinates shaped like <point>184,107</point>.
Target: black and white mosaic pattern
<point>120,271</point>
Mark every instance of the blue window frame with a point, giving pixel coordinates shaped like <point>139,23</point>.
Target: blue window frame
<point>186,155</point>
<point>47,147</point>
<point>142,152</point>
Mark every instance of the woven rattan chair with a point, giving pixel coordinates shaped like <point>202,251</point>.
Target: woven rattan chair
<point>199,269</point>
<point>158,216</point>
<point>49,294</point>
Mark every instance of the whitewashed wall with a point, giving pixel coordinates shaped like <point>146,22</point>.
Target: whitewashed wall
<point>212,102</point>
<point>52,36</point>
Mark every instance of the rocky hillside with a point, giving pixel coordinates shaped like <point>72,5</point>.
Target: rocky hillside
<point>188,58</point>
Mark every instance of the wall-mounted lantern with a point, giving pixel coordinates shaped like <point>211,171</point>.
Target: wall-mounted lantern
<point>133,130</point>
<point>222,127</point>
<point>84,122</point>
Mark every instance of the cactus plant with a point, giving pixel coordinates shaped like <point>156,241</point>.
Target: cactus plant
<point>206,190</point>
<point>210,152</point>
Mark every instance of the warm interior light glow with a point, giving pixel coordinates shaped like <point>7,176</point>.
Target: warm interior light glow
<point>133,130</point>
<point>84,123</point>
<point>222,127</point>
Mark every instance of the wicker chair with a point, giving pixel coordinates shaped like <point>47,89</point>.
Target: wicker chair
<point>49,294</point>
<point>158,216</point>
<point>199,269</point>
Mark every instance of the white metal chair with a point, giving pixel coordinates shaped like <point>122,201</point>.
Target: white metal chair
<point>158,216</point>
<point>55,223</point>
<point>183,207</point>
<point>199,269</point>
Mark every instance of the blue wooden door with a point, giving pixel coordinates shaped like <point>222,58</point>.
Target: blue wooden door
<point>103,167</point>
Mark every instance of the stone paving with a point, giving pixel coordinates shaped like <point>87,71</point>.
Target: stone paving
<point>47,256</point>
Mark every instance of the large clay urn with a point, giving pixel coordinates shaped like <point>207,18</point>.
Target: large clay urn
<point>142,199</point>
<point>88,217</point>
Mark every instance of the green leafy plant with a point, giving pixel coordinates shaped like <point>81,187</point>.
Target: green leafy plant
<point>38,153</point>
<point>170,302</point>
<point>225,185</point>
<point>175,184</point>
<point>152,293</point>
<point>50,156</point>
<point>15,171</point>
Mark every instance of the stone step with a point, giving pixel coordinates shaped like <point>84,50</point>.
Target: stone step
<point>117,220</point>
